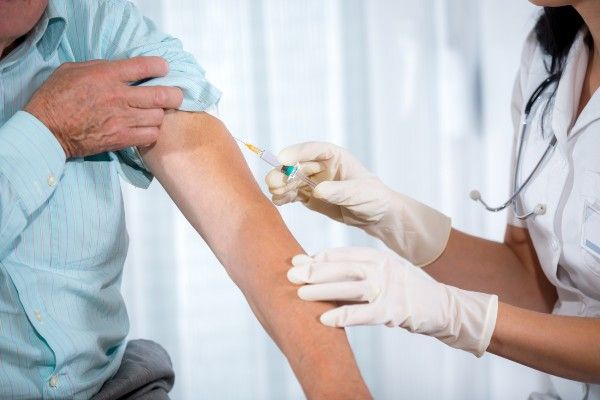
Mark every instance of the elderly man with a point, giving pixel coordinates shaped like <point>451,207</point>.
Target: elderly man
<point>70,126</point>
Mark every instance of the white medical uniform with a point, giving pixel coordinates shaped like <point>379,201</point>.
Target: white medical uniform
<point>567,237</point>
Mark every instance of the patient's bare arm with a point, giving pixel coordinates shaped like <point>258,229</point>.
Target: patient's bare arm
<point>200,166</point>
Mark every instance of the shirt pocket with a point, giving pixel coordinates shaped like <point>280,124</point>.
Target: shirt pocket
<point>88,217</point>
<point>590,221</point>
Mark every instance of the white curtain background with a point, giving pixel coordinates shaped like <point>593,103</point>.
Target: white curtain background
<point>418,90</point>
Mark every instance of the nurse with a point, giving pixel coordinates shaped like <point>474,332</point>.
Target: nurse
<point>535,298</point>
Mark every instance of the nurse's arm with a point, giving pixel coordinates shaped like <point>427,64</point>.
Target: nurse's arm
<point>559,345</point>
<point>510,269</point>
<point>562,346</point>
<point>202,169</point>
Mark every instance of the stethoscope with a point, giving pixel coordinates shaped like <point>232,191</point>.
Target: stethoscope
<point>539,209</point>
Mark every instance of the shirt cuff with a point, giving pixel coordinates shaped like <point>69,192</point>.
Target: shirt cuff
<point>131,167</point>
<point>198,94</point>
<point>31,159</point>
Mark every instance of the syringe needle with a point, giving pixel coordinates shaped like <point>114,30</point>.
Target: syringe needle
<point>290,171</point>
<point>251,147</point>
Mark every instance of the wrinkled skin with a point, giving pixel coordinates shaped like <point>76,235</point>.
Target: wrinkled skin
<point>98,111</point>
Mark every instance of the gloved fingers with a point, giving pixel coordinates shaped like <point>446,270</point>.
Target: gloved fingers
<point>305,195</point>
<point>308,151</point>
<point>335,191</point>
<point>340,291</point>
<point>310,168</point>
<point>278,182</point>
<point>325,273</point>
<point>289,187</point>
<point>351,193</point>
<point>288,197</point>
<point>350,254</point>
<point>301,259</point>
<point>275,179</point>
<point>350,315</point>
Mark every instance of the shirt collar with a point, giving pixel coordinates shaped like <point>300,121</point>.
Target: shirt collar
<point>568,91</point>
<point>49,30</point>
<point>45,36</point>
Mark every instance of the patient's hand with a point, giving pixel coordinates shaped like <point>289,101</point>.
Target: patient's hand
<point>91,108</point>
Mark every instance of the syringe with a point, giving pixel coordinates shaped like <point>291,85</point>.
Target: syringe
<point>291,171</point>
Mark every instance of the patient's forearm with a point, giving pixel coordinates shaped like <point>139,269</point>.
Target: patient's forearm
<point>201,168</point>
<point>319,356</point>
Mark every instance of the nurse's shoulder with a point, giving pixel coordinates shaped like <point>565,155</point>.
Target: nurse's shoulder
<point>533,65</point>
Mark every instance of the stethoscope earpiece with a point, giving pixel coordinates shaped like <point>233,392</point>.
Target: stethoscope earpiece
<point>540,209</point>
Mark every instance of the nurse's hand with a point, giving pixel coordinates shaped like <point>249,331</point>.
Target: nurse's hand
<point>345,200</point>
<point>349,193</point>
<point>385,289</point>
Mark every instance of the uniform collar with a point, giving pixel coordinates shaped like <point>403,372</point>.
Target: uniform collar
<point>568,93</point>
<point>45,36</point>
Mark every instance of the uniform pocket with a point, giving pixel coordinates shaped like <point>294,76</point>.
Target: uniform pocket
<point>590,222</point>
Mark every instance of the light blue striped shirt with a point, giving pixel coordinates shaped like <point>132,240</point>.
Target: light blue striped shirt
<point>63,240</point>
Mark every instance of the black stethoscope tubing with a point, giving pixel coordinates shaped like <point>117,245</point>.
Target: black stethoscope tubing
<point>540,208</point>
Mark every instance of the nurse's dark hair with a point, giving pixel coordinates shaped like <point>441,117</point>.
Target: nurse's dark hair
<point>556,29</point>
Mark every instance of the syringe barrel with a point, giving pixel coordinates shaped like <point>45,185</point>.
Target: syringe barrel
<point>270,158</point>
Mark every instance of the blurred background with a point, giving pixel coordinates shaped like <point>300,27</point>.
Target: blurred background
<point>418,90</point>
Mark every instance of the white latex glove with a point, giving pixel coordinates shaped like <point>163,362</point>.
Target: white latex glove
<point>349,193</point>
<point>386,289</point>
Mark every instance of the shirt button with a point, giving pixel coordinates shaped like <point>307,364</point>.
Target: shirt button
<point>38,316</point>
<point>53,382</point>
<point>51,180</point>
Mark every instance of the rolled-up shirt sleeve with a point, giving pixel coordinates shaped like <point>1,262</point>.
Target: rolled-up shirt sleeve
<point>126,33</point>
<point>32,162</point>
